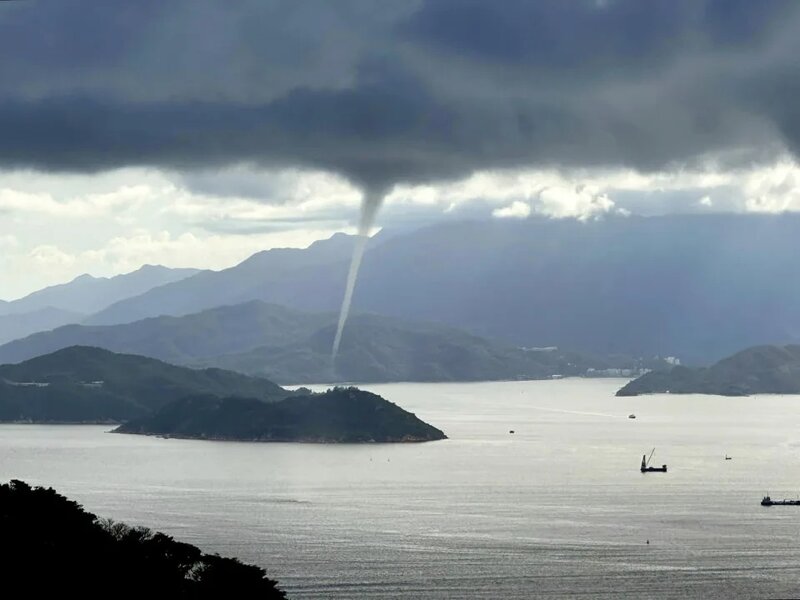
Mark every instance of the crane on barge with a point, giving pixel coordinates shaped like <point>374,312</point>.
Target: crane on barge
<point>646,468</point>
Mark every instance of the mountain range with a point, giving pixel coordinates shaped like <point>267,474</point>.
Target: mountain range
<point>72,302</point>
<point>287,276</point>
<point>292,346</point>
<point>88,295</point>
<point>698,287</point>
<point>694,286</point>
<point>19,325</point>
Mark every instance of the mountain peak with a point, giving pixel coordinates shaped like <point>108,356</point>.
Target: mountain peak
<point>148,268</point>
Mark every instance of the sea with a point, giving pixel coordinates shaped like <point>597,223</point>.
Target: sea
<point>556,509</point>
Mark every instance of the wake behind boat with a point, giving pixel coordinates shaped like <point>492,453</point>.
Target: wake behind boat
<point>646,468</point>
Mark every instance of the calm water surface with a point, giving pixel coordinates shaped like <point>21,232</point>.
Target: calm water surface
<point>558,509</point>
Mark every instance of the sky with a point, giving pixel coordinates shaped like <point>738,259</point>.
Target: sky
<point>197,132</point>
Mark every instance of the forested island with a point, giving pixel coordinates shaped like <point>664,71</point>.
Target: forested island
<point>52,547</point>
<point>91,385</point>
<point>756,370</point>
<point>344,415</point>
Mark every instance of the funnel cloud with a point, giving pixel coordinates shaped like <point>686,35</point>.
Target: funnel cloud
<point>370,204</point>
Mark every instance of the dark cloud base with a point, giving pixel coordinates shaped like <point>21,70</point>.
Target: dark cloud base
<point>418,91</point>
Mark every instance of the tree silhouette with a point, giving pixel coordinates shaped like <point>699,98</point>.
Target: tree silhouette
<point>51,546</point>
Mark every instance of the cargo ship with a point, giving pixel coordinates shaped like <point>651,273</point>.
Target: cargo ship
<point>767,501</point>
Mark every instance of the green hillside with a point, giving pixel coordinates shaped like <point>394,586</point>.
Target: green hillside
<point>84,384</point>
<point>292,346</point>
<point>757,370</point>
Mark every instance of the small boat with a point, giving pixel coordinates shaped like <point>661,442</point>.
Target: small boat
<point>646,468</point>
<point>631,416</point>
<point>767,501</point>
<point>727,457</point>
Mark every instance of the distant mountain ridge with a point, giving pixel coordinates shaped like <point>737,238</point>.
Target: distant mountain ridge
<point>72,302</point>
<point>284,274</point>
<point>291,346</point>
<point>86,294</point>
<point>219,331</point>
<point>693,286</point>
<point>20,325</point>
<point>757,370</point>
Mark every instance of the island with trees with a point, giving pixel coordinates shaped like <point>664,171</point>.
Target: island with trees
<point>344,415</point>
<point>146,396</point>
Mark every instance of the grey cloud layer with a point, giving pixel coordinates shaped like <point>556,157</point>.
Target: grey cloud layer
<point>384,92</point>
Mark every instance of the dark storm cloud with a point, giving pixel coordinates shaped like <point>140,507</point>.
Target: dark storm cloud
<point>557,35</point>
<point>383,92</point>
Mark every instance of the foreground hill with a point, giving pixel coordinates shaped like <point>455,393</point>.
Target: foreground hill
<point>697,287</point>
<point>758,370</point>
<point>53,548</point>
<point>83,384</point>
<point>292,346</point>
<point>339,415</point>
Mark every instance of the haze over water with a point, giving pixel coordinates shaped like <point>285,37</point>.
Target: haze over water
<point>558,509</point>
